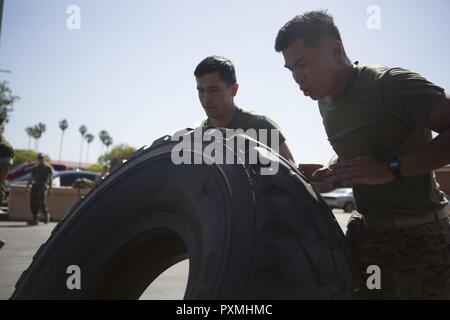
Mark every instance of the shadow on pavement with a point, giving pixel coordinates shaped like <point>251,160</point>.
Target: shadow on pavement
<point>16,226</point>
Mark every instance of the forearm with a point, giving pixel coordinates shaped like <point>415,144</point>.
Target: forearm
<point>434,155</point>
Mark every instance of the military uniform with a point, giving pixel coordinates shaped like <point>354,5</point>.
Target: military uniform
<point>6,158</point>
<point>246,120</point>
<point>414,261</point>
<point>401,226</point>
<point>40,175</point>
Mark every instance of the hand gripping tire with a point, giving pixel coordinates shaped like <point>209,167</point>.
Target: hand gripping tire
<point>247,236</point>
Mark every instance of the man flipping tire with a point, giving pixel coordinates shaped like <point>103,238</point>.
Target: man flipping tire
<point>379,122</point>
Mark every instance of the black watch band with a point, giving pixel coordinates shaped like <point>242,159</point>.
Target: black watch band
<point>395,167</point>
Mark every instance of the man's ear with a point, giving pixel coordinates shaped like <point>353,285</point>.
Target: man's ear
<point>234,89</point>
<point>337,48</point>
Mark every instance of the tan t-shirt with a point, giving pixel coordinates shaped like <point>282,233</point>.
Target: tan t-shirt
<point>383,114</point>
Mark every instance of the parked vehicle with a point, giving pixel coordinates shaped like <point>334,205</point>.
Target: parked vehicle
<point>25,168</point>
<point>60,179</point>
<point>18,171</point>
<point>60,166</point>
<point>341,198</point>
<point>69,177</point>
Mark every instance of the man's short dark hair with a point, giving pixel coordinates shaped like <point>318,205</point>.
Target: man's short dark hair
<point>217,64</point>
<point>313,27</point>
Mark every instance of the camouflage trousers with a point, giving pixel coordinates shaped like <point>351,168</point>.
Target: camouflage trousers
<point>37,199</point>
<point>414,263</point>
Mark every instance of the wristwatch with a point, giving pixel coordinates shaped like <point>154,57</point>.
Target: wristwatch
<point>395,167</point>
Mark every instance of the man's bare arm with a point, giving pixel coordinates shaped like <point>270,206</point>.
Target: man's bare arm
<point>436,153</point>
<point>433,155</point>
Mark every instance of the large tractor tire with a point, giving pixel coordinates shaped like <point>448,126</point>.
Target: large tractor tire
<point>246,235</point>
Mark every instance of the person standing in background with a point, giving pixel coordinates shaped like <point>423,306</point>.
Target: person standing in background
<point>6,161</point>
<point>41,181</point>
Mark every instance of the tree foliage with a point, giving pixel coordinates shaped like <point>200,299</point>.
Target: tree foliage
<point>22,156</point>
<point>7,100</point>
<point>116,155</point>
<point>63,124</point>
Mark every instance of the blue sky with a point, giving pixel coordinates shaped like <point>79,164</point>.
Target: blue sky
<point>129,69</point>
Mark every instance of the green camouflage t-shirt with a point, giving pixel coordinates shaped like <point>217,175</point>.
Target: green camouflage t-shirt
<point>40,173</point>
<point>246,120</point>
<point>383,114</point>
<point>6,152</point>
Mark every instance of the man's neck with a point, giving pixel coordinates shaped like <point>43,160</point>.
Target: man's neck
<point>343,85</point>
<point>225,120</point>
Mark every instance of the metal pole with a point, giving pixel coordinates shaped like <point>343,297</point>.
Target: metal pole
<point>1,17</point>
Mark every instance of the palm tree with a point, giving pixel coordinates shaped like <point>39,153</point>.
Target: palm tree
<point>38,130</point>
<point>108,142</point>
<point>102,136</point>
<point>42,128</point>
<point>29,131</point>
<point>36,135</point>
<point>63,125</point>
<point>89,138</point>
<point>82,130</point>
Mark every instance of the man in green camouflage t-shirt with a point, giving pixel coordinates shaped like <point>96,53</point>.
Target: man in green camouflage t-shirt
<point>6,160</point>
<point>41,180</point>
<point>379,122</point>
<point>217,86</point>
